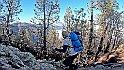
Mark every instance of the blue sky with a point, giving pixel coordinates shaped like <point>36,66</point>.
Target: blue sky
<point>28,6</point>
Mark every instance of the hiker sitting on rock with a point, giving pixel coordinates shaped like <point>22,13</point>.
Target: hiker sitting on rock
<point>68,46</point>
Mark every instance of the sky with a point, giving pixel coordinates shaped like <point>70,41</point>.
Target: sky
<point>28,8</point>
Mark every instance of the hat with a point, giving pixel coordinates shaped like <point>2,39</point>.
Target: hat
<point>65,33</point>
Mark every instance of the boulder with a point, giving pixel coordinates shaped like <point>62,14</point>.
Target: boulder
<point>12,58</point>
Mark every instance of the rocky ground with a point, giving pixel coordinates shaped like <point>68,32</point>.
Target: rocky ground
<point>12,58</point>
<point>115,66</point>
<point>113,60</point>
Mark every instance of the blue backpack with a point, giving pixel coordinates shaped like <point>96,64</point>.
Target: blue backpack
<point>75,42</point>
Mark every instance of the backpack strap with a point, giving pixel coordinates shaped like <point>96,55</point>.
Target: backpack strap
<point>74,40</point>
<point>78,46</point>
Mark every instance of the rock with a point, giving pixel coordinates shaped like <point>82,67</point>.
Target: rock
<point>46,66</point>
<point>122,66</point>
<point>25,56</point>
<point>6,68</point>
<point>3,64</point>
<point>107,68</point>
<point>2,53</point>
<point>25,68</point>
<point>12,58</point>
<point>3,60</point>
<point>15,61</point>
<point>117,68</point>
<point>116,65</point>
<point>88,68</point>
<point>14,49</point>
<point>100,67</point>
<point>28,59</point>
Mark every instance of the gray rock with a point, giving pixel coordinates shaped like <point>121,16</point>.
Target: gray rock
<point>6,68</point>
<point>100,67</point>
<point>107,68</point>
<point>117,68</point>
<point>122,66</point>
<point>2,53</point>
<point>90,68</point>
<point>13,49</point>
<point>3,60</point>
<point>46,66</point>
<point>13,59</point>
<point>25,56</point>
<point>25,68</point>
<point>3,64</point>
<point>28,59</point>
<point>116,65</point>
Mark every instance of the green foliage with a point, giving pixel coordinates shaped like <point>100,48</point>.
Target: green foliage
<point>74,20</point>
<point>28,36</point>
<point>46,14</point>
<point>11,8</point>
<point>52,10</point>
<point>107,5</point>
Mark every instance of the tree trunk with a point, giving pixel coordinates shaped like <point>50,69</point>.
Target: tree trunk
<point>91,29</point>
<point>44,27</point>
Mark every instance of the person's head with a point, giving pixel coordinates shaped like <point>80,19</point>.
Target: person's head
<point>64,34</point>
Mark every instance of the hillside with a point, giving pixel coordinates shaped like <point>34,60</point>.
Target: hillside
<point>12,58</point>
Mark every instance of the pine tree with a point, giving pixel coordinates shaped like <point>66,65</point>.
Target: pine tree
<point>46,13</point>
<point>108,21</point>
<point>9,13</point>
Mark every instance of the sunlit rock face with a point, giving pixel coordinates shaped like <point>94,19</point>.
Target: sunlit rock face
<point>12,58</point>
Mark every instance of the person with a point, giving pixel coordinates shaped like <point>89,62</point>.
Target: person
<point>67,47</point>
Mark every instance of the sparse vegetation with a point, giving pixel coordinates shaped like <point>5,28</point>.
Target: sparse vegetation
<point>103,35</point>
